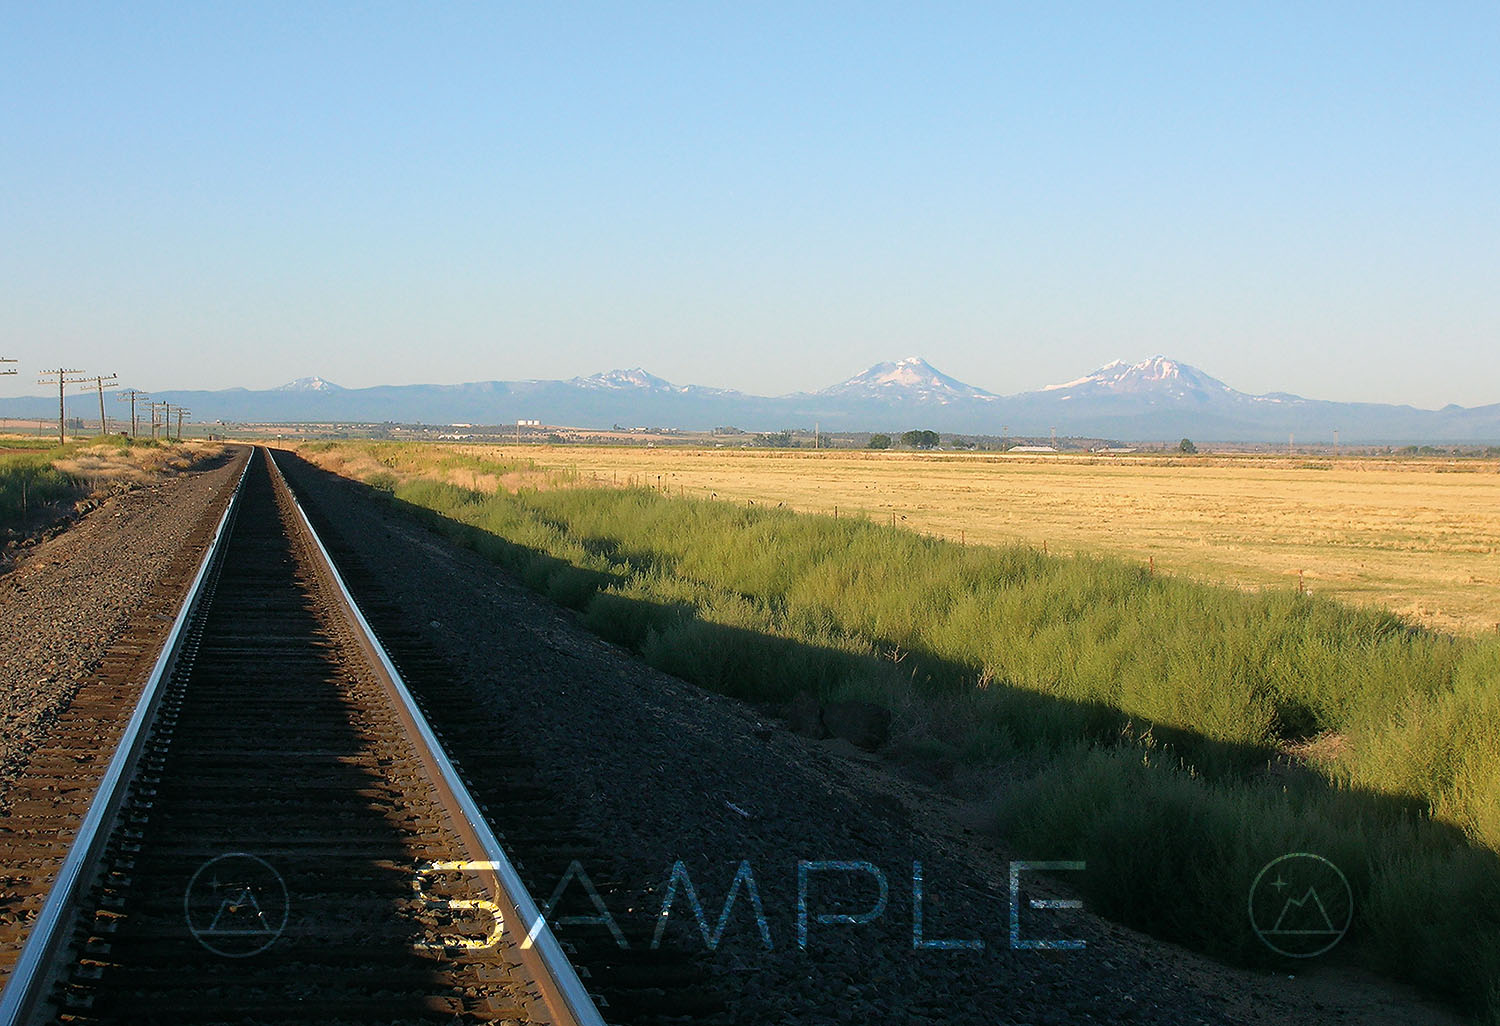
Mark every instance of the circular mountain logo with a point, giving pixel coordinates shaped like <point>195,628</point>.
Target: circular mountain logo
<point>1301,905</point>
<point>236,905</point>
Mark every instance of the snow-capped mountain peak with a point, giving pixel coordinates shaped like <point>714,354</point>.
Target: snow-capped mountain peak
<point>633,377</point>
<point>1159,377</point>
<point>636,380</point>
<point>910,379</point>
<point>312,384</point>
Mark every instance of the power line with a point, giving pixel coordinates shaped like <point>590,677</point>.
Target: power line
<point>60,378</point>
<point>131,395</point>
<point>162,405</point>
<point>101,383</point>
<point>167,411</point>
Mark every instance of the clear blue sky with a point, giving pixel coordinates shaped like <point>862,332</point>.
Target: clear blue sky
<point>769,197</point>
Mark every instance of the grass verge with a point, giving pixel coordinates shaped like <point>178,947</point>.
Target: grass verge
<point>28,483</point>
<point>34,483</point>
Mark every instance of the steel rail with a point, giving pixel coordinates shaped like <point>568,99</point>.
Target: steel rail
<point>35,971</point>
<point>562,991</point>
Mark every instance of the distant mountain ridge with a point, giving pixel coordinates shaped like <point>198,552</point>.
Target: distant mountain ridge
<point>637,378</point>
<point>1158,399</point>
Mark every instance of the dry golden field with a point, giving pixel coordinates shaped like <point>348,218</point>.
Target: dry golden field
<point>1421,537</point>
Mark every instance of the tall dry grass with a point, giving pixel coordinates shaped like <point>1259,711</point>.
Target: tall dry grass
<point>33,481</point>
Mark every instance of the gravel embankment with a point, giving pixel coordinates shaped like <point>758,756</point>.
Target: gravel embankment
<point>654,770</point>
<point>69,598</point>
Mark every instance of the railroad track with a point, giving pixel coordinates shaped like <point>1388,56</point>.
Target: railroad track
<point>280,836</point>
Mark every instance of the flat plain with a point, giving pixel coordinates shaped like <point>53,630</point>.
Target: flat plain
<point>1420,537</point>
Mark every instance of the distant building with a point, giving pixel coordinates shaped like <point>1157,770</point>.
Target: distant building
<point>1031,448</point>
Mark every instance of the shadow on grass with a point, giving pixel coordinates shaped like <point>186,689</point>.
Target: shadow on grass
<point>1174,826</point>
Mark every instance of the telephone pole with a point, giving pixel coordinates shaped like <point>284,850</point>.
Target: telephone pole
<point>131,395</point>
<point>154,406</point>
<point>61,379</point>
<point>101,383</point>
<point>180,412</point>
<point>6,359</point>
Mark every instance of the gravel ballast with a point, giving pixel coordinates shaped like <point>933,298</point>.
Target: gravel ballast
<point>70,597</point>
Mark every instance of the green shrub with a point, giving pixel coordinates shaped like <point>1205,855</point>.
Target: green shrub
<point>29,482</point>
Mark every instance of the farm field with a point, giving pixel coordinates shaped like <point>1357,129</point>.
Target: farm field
<point>1420,537</point>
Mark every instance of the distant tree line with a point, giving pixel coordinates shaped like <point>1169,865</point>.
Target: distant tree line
<point>917,439</point>
<point>774,439</point>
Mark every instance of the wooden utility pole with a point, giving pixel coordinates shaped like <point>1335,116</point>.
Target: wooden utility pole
<point>60,378</point>
<point>101,383</point>
<point>1335,443</point>
<point>132,394</point>
<point>154,406</point>
<point>7,370</point>
<point>180,413</point>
